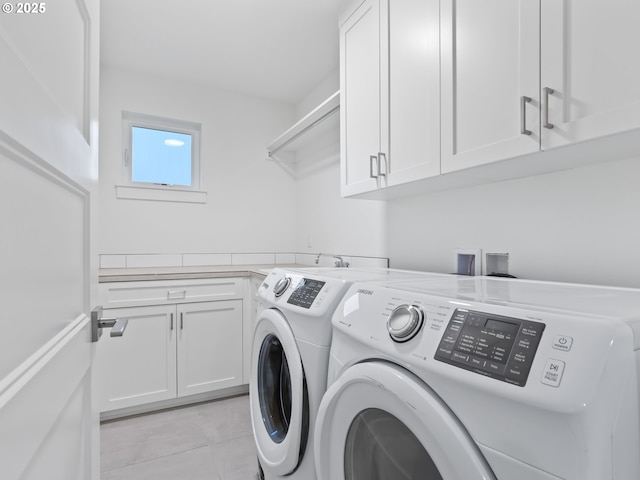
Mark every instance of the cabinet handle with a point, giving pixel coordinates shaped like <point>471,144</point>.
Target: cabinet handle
<point>546,91</point>
<point>523,115</point>
<point>382,156</point>
<point>371,160</point>
<point>172,321</point>
<point>176,294</point>
<point>181,321</point>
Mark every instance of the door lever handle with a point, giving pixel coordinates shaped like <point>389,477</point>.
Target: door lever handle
<point>117,325</point>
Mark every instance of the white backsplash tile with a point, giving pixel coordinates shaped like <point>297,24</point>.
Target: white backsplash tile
<point>368,262</point>
<point>205,259</point>
<point>327,260</point>
<point>253,258</point>
<point>306,259</point>
<point>154,260</point>
<point>284,258</point>
<point>198,259</point>
<point>113,261</point>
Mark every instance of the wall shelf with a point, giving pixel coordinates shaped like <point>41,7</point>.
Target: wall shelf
<point>315,120</point>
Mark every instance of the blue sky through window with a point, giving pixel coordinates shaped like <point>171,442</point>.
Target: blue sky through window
<point>160,156</point>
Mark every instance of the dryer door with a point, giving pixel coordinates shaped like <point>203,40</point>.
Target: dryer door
<point>378,421</point>
<point>278,395</point>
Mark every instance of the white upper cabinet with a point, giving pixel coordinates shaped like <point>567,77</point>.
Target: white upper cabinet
<point>431,90</point>
<point>389,80</point>
<point>529,75</point>
<point>490,81</point>
<point>414,91</point>
<point>362,107</point>
<point>589,54</point>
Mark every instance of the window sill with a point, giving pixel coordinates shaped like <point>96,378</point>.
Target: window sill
<point>159,194</point>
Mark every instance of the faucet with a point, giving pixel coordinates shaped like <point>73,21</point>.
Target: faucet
<point>340,263</point>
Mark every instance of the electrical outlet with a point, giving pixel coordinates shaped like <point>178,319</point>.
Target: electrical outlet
<point>468,261</point>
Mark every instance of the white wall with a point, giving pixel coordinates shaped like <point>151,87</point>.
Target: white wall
<point>325,221</point>
<point>331,224</point>
<point>320,93</point>
<point>246,193</point>
<point>581,225</point>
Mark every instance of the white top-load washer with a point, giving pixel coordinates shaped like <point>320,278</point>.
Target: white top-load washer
<point>482,378</point>
<point>289,360</point>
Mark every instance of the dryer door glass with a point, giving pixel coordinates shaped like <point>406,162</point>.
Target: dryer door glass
<point>274,388</point>
<point>381,447</point>
<point>378,421</point>
<point>278,396</point>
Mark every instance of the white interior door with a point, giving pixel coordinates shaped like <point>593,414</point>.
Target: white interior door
<point>48,167</point>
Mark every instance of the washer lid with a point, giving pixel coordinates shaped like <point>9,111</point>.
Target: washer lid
<point>278,398</point>
<point>396,399</point>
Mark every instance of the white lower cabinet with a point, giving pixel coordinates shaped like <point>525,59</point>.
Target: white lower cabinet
<point>140,366</point>
<point>169,351</point>
<point>209,346</point>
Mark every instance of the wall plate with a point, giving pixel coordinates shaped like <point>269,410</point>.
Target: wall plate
<point>468,261</point>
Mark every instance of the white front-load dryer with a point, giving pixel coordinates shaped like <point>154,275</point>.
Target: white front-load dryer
<point>482,379</point>
<point>289,361</point>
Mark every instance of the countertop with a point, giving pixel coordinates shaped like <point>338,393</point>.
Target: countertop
<point>108,275</point>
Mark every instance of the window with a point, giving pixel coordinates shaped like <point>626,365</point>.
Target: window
<point>160,154</point>
<point>161,157</point>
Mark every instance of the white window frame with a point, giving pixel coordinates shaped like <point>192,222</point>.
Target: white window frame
<point>160,192</point>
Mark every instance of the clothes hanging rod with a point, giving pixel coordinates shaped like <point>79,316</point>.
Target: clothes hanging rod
<point>316,116</point>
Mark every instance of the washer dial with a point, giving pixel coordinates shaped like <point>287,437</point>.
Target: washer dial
<point>405,322</point>
<point>281,286</point>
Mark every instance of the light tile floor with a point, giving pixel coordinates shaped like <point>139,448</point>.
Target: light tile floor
<point>211,441</point>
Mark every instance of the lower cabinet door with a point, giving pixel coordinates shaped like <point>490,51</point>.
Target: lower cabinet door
<point>209,346</point>
<point>140,366</point>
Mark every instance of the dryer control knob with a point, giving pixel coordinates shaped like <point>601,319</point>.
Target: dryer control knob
<point>281,286</point>
<point>405,322</point>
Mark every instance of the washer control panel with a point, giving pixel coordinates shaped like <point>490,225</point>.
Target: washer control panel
<point>496,346</point>
<point>305,292</point>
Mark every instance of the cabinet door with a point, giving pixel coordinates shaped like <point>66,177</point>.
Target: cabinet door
<point>414,91</point>
<point>362,108</point>
<point>590,61</point>
<point>140,366</point>
<point>209,346</point>
<point>490,61</point>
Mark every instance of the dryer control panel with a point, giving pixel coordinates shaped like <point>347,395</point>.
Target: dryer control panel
<point>496,346</point>
<point>305,292</point>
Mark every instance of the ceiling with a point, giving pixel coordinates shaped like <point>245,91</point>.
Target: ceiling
<point>275,49</point>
